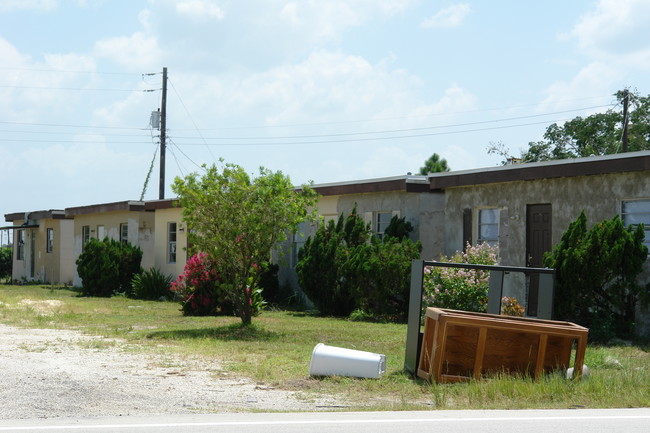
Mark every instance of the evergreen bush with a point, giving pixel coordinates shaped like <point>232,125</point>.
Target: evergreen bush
<point>344,269</point>
<point>5,262</point>
<point>596,276</point>
<point>107,267</point>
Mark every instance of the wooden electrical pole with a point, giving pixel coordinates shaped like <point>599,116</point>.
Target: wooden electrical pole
<point>163,135</point>
<point>626,100</point>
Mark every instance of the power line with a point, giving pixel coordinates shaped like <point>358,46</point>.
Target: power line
<point>68,71</point>
<point>78,89</point>
<point>68,133</point>
<point>382,119</point>
<point>294,137</point>
<point>63,125</point>
<point>190,116</point>
<point>431,134</point>
<point>393,131</point>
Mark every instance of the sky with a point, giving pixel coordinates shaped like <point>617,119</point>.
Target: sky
<point>322,90</point>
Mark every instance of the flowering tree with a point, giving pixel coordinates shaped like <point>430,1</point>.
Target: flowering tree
<point>459,288</point>
<point>198,288</point>
<point>236,220</point>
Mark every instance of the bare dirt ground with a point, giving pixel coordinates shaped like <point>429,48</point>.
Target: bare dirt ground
<point>47,373</point>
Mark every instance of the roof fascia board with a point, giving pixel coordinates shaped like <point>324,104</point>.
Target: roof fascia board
<point>634,161</point>
<point>128,206</point>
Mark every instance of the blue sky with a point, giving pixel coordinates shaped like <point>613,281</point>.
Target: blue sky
<point>326,91</point>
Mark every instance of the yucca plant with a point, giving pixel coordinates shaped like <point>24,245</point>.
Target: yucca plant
<point>151,284</point>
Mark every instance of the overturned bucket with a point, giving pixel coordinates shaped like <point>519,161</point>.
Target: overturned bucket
<point>337,361</point>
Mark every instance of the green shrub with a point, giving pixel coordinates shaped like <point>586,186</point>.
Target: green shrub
<point>107,267</point>
<point>461,288</point>
<point>379,276</point>
<point>5,262</point>
<point>596,276</point>
<point>317,270</point>
<point>151,285</point>
<point>343,268</point>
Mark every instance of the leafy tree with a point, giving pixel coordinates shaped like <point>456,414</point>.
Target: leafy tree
<point>107,267</point>
<point>597,134</point>
<point>236,220</point>
<point>434,165</point>
<point>596,272</point>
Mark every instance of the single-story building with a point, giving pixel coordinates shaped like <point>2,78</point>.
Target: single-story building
<point>522,208</point>
<point>42,246</point>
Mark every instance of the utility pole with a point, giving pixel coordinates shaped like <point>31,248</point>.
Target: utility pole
<point>626,100</point>
<point>163,135</point>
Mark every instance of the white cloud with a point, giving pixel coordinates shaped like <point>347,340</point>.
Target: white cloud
<point>21,95</point>
<point>137,52</point>
<point>327,85</point>
<point>328,19</point>
<point>389,161</point>
<point>200,8</point>
<point>596,78</point>
<point>613,37</point>
<point>614,27</point>
<point>37,5</point>
<point>451,16</point>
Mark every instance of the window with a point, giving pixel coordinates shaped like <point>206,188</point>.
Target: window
<point>50,241</point>
<point>124,233</point>
<point>171,243</point>
<point>488,226</point>
<point>101,232</point>
<point>20,245</point>
<point>635,212</point>
<point>382,222</point>
<point>85,236</point>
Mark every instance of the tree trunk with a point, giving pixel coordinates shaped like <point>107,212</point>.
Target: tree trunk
<point>246,310</point>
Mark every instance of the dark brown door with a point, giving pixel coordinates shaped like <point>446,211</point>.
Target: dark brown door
<point>538,241</point>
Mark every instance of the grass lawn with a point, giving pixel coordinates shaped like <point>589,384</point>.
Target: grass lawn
<point>277,349</point>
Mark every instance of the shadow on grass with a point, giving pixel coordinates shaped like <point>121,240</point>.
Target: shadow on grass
<point>234,332</point>
<point>308,313</point>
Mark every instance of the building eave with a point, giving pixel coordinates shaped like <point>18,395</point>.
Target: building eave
<point>124,206</point>
<point>596,165</point>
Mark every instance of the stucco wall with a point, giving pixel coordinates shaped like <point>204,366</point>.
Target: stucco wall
<point>162,218</point>
<point>425,211</point>
<point>140,233</point>
<point>49,267</point>
<point>19,267</point>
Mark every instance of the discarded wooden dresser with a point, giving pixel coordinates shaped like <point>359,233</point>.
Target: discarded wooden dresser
<point>460,345</point>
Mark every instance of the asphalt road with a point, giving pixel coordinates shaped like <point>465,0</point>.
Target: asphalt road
<point>525,421</point>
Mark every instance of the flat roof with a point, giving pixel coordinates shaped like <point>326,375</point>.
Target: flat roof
<point>128,205</point>
<point>36,215</point>
<point>588,166</point>
<point>433,182</point>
